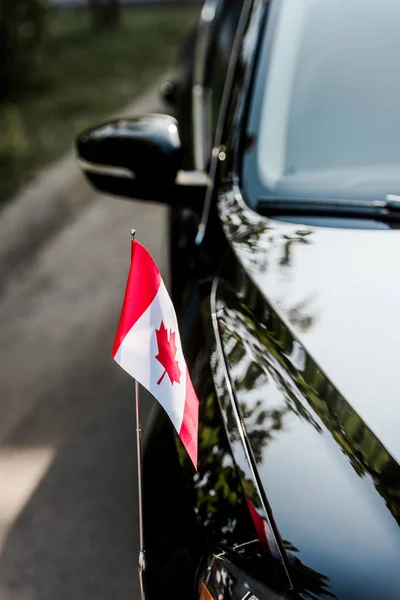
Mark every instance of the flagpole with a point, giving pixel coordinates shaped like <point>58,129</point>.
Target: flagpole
<point>142,555</point>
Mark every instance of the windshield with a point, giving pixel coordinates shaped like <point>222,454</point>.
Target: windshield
<point>326,108</point>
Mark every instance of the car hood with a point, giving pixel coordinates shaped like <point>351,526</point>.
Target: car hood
<point>311,346</point>
<point>339,291</point>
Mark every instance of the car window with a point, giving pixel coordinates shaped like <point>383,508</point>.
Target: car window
<point>326,105</point>
<point>225,25</point>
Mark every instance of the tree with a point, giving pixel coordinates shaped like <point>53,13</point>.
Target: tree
<point>105,13</point>
<point>22,32</point>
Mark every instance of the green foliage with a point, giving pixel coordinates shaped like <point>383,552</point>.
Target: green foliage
<point>13,141</point>
<point>83,78</point>
<point>22,33</point>
<point>105,13</point>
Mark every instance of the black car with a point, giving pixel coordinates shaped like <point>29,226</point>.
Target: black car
<point>285,197</point>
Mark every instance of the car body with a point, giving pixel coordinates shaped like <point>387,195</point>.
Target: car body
<point>288,314</point>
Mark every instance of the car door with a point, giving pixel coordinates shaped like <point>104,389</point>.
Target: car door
<point>198,114</point>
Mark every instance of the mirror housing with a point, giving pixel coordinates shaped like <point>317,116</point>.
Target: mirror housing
<point>139,158</point>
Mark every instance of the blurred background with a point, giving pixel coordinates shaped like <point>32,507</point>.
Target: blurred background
<point>68,63</point>
<point>68,504</point>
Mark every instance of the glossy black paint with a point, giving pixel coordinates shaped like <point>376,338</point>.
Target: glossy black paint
<point>227,578</point>
<point>173,540</point>
<point>295,307</point>
<point>332,485</point>
<point>140,145</point>
<point>139,158</point>
<point>290,334</point>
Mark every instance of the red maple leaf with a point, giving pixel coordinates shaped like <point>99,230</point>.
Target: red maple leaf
<point>166,354</point>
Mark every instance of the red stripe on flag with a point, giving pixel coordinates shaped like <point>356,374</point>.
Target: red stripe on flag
<point>190,422</point>
<point>141,288</point>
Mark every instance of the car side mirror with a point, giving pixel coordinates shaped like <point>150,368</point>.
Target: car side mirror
<point>139,158</point>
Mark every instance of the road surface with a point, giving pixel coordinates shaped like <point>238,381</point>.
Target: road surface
<point>68,505</point>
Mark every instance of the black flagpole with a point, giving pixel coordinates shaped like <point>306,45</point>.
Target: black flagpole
<point>142,555</point>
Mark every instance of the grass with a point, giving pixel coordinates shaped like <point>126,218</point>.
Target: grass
<point>85,76</point>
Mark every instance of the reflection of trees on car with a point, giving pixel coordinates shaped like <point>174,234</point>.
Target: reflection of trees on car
<point>300,237</point>
<point>310,584</point>
<point>264,355</point>
<point>249,230</point>
<point>219,499</point>
<point>272,349</point>
<point>219,493</point>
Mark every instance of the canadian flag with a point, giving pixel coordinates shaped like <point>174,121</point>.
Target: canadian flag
<point>148,346</point>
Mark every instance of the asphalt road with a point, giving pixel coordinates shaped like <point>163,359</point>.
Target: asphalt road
<point>68,508</point>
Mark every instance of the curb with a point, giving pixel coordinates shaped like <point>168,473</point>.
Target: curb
<point>56,195</point>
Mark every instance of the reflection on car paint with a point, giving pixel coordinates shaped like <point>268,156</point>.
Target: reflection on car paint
<point>303,432</point>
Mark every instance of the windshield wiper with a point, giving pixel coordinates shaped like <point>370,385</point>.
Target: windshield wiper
<point>380,210</point>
